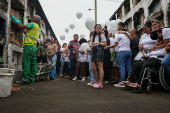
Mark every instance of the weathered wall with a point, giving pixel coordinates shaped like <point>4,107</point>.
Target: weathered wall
<point>144,4</point>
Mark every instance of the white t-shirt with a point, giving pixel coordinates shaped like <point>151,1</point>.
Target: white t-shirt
<point>67,59</point>
<point>146,41</point>
<point>123,42</point>
<point>61,50</point>
<point>112,41</point>
<point>81,57</point>
<point>103,38</point>
<point>166,33</point>
<point>156,53</point>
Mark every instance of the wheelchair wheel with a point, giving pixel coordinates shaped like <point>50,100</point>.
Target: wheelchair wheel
<point>164,79</point>
<point>149,89</point>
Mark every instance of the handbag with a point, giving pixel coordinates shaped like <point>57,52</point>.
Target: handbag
<point>139,56</point>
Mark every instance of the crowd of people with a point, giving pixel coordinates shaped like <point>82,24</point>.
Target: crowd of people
<point>110,58</point>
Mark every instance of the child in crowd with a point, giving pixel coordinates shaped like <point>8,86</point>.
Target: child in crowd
<point>98,42</point>
<point>63,49</point>
<point>66,63</point>
<point>81,60</point>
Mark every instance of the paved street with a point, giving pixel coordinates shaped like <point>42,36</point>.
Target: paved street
<point>65,96</point>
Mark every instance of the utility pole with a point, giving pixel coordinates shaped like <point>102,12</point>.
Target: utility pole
<point>95,11</point>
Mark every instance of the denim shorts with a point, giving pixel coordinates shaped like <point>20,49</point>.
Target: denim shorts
<point>98,53</point>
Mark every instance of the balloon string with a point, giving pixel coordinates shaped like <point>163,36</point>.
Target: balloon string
<point>77,25</point>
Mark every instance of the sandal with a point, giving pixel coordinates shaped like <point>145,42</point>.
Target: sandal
<point>131,84</point>
<point>127,83</point>
<point>136,85</point>
<point>66,76</point>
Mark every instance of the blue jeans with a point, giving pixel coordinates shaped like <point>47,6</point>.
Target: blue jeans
<point>52,61</point>
<point>166,63</point>
<point>72,66</point>
<point>62,65</point>
<point>124,63</point>
<point>93,80</point>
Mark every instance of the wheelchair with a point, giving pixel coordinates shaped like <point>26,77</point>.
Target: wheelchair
<point>155,76</point>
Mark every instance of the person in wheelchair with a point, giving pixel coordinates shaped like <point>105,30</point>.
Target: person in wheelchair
<point>153,61</point>
<point>146,42</point>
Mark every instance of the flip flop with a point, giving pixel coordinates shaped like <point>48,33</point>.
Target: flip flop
<point>136,85</point>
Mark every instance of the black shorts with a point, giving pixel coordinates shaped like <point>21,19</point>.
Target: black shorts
<point>98,53</point>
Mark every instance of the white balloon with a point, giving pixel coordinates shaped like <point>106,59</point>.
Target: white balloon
<point>107,23</point>
<point>110,29</point>
<point>84,46</point>
<point>62,37</point>
<point>114,31</point>
<point>89,19</point>
<point>117,21</point>
<point>103,25</point>
<point>72,26</point>
<point>90,24</point>
<point>113,24</point>
<point>66,30</point>
<point>82,36</point>
<point>79,15</point>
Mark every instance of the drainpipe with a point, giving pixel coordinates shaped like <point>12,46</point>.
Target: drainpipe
<point>8,21</point>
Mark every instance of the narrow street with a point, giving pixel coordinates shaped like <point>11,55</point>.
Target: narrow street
<point>65,96</point>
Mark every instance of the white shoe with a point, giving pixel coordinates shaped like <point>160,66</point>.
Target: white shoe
<point>83,79</point>
<point>106,82</point>
<point>75,78</point>
<point>89,84</point>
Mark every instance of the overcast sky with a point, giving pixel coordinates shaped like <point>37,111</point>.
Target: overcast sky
<point>61,13</point>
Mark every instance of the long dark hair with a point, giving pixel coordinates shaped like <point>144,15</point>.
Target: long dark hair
<point>94,35</point>
<point>106,36</point>
<point>64,44</point>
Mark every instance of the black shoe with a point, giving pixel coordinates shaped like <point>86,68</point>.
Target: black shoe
<point>70,78</point>
<point>111,80</point>
<point>79,78</point>
<point>22,82</point>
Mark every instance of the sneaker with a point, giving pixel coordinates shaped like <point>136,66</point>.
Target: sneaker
<point>106,82</point>
<point>89,84</point>
<point>119,85</point>
<point>88,77</point>
<point>75,78</point>
<point>83,79</point>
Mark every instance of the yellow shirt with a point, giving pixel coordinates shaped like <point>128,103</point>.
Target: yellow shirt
<point>33,31</point>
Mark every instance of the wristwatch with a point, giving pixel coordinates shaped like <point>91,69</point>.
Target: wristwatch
<point>154,47</point>
<point>124,32</point>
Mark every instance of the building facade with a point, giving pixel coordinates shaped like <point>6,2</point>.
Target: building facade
<point>11,38</point>
<point>136,12</point>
